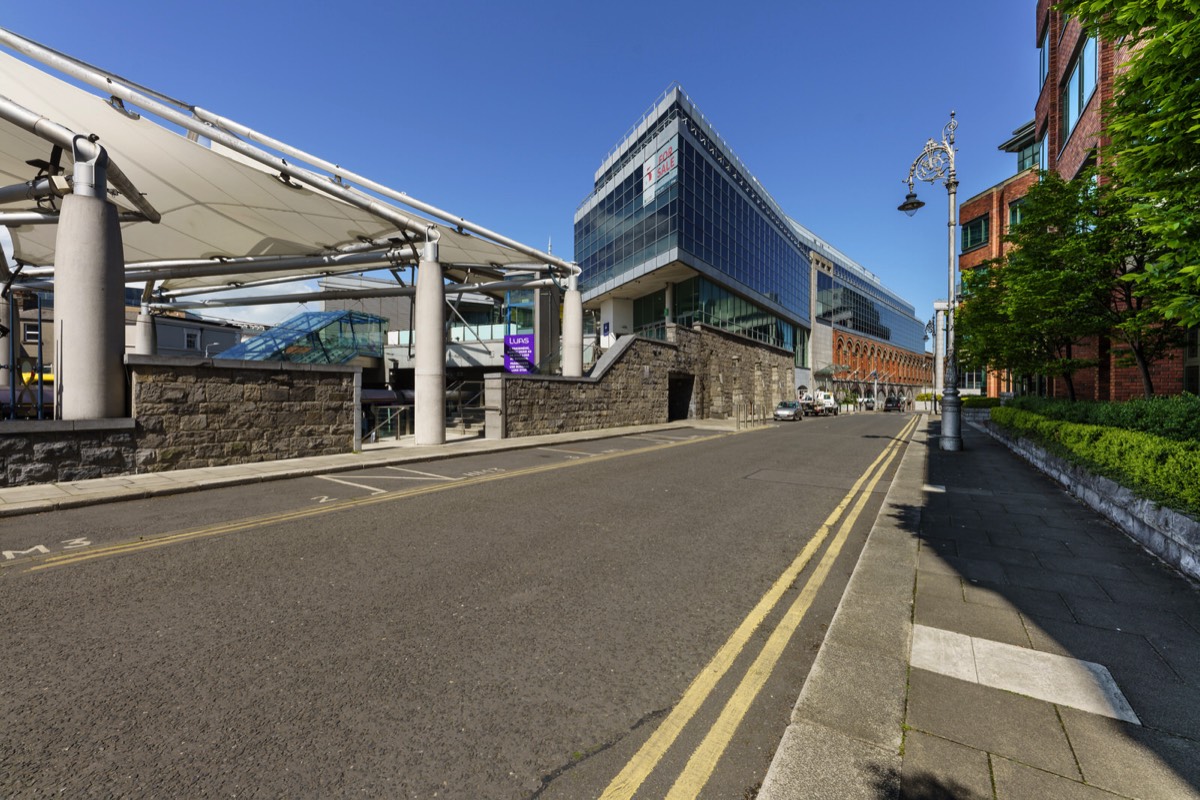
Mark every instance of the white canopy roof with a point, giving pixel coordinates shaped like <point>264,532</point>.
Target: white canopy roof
<point>214,202</point>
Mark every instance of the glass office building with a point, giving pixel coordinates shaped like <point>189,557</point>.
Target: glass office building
<point>677,229</point>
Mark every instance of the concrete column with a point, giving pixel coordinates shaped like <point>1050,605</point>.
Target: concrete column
<point>669,295</point>
<point>146,339</point>
<point>89,318</point>
<point>429,332</point>
<point>616,319</point>
<point>573,330</point>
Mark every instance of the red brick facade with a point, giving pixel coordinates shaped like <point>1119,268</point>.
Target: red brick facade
<point>896,371</point>
<point>995,203</point>
<point>1068,152</point>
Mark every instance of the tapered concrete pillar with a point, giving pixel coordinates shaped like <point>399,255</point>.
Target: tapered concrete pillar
<point>146,339</point>
<point>429,331</point>
<point>89,318</point>
<point>572,357</point>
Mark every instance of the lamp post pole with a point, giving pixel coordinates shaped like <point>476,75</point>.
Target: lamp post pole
<point>936,162</point>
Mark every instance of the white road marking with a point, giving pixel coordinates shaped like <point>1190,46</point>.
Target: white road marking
<point>562,450</point>
<point>1044,676</point>
<point>431,476</point>
<point>370,489</point>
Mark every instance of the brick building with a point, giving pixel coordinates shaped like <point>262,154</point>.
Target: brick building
<point>1076,74</point>
<point>986,219</point>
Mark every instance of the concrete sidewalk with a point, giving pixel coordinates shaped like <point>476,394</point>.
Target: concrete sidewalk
<point>998,640</point>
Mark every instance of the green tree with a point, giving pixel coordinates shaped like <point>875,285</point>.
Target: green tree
<point>1065,278</point>
<point>1029,313</point>
<point>1115,251</point>
<point>1153,124</point>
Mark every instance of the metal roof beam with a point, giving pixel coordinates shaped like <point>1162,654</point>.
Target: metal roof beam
<point>353,294</point>
<point>70,140</point>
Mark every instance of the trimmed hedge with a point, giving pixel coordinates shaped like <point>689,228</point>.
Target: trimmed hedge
<point>1175,417</point>
<point>978,401</point>
<point>1162,469</point>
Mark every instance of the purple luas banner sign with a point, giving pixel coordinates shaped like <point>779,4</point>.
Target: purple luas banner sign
<point>518,354</point>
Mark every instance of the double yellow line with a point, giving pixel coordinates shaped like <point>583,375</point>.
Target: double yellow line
<point>703,760</point>
<point>249,523</point>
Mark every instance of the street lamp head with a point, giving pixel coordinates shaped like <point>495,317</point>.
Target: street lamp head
<point>911,204</point>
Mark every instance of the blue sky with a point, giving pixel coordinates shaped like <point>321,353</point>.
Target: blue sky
<point>501,112</point>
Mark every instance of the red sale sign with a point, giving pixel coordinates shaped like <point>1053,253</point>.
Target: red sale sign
<point>660,170</point>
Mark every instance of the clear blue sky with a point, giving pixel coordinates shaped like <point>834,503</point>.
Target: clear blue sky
<point>501,112</point>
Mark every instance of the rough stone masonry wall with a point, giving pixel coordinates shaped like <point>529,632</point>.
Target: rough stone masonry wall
<point>57,451</point>
<point>190,412</point>
<point>204,412</point>
<point>634,391</point>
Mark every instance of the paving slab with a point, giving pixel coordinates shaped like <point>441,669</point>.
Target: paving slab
<point>816,763</point>
<point>937,768</point>
<point>855,692</point>
<point>1003,555</point>
<point>1016,781</point>
<point>986,622</point>
<point>1129,618</point>
<point>1132,760</point>
<point>1078,565</point>
<point>1182,655</point>
<point>1042,578</point>
<point>1130,657</point>
<point>1018,598</point>
<point>1055,544</point>
<point>1032,673</point>
<point>937,584</point>
<point>990,719</point>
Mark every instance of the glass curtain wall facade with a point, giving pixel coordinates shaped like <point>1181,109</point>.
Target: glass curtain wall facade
<point>850,302</point>
<point>674,194</point>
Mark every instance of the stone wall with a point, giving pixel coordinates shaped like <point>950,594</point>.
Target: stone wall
<point>192,412</point>
<point>631,385</point>
<point>209,412</point>
<point>58,451</point>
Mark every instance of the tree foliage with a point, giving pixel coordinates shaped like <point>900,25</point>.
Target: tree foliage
<point>1065,278</point>
<point>1026,312</point>
<point>1153,124</point>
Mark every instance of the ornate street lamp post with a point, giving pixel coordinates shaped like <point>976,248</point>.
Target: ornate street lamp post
<point>936,162</point>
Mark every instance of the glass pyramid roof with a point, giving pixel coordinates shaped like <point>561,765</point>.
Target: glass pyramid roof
<point>315,337</point>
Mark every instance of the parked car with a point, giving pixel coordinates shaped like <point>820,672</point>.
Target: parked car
<point>867,403</point>
<point>893,404</point>
<point>788,411</point>
<point>818,403</point>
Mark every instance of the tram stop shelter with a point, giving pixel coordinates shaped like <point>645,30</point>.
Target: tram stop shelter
<point>117,184</point>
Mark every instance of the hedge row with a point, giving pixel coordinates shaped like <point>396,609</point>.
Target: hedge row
<point>1171,417</point>
<point>978,401</point>
<point>1162,469</point>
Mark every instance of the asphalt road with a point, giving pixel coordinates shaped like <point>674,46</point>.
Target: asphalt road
<point>611,616</point>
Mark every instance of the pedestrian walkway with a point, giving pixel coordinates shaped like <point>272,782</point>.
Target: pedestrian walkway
<point>998,640</point>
